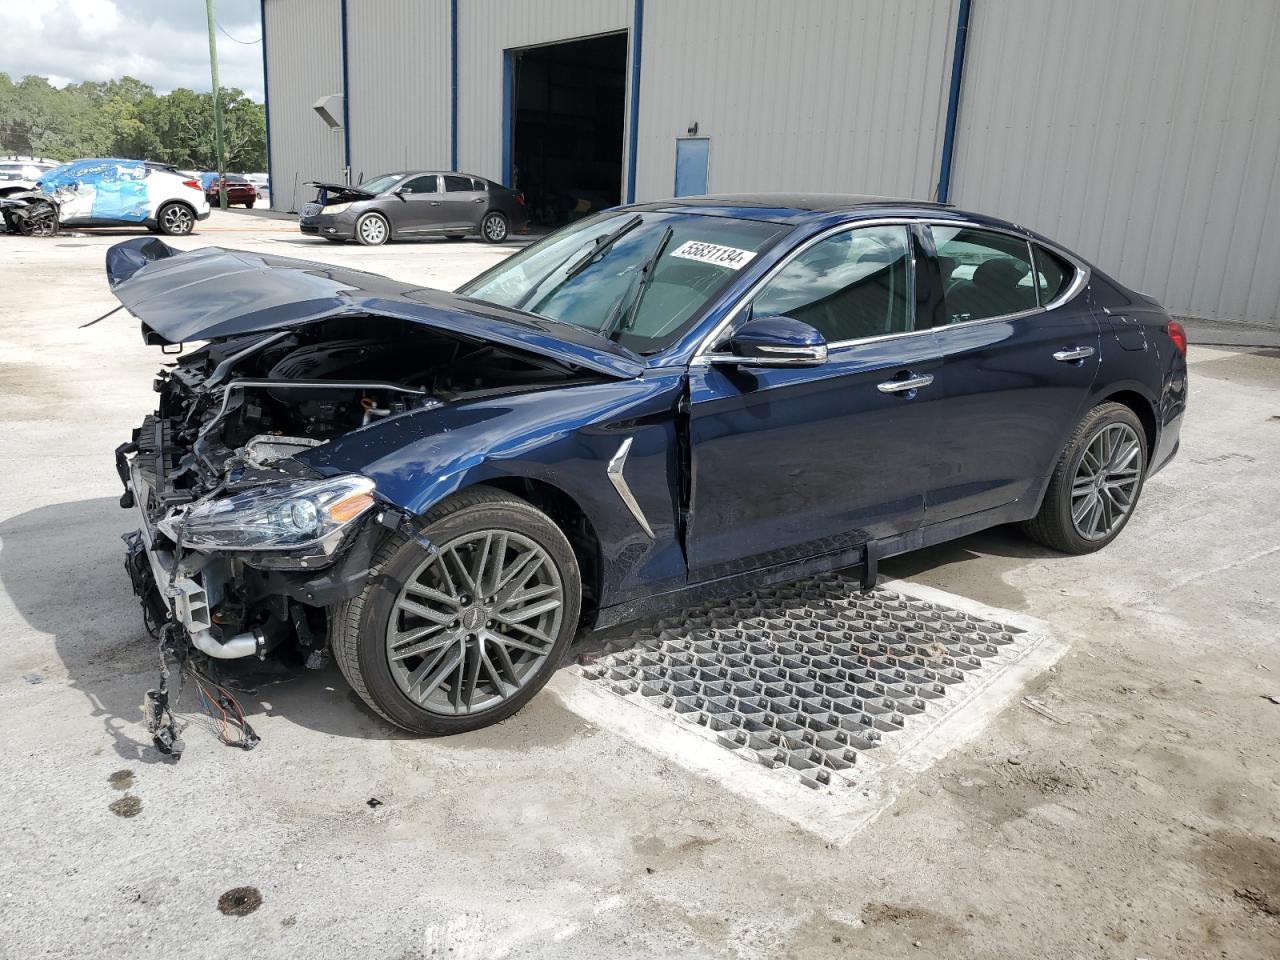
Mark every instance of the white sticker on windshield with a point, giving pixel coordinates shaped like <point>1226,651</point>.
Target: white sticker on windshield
<point>714,254</point>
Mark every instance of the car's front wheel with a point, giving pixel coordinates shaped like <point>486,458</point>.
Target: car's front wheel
<point>373,230</point>
<point>494,227</point>
<point>454,639</point>
<point>1096,483</point>
<point>175,219</point>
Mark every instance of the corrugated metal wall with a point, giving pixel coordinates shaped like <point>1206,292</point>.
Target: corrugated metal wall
<point>826,95</point>
<point>488,27</point>
<point>304,63</point>
<point>398,98</point>
<point>1143,134</point>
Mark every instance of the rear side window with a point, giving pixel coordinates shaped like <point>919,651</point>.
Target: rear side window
<point>420,185</point>
<point>849,286</point>
<point>453,184</point>
<point>984,274</point>
<point>1053,274</point>
<point>478,185</point>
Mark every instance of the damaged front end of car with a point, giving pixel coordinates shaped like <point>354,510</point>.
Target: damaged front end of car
<point>244,545</point>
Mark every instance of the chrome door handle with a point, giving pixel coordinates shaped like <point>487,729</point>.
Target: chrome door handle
<point>478,200</point>
<point>911,383</point>
<point>435,203</point>
<point>1074,353</point>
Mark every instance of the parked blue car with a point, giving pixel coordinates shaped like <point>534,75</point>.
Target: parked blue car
<point>660,404</point>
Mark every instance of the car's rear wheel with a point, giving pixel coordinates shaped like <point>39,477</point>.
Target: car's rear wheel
<point>372,230</point>
<point>450,641</point>
<point>248,204</point>
<point>176,219</point>
<point>494,227</point>
<point>1096,483</point>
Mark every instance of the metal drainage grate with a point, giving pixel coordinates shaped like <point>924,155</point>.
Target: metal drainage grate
<point>804,678</point>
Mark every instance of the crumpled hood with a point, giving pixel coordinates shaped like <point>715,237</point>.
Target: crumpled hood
<point>213,292</point>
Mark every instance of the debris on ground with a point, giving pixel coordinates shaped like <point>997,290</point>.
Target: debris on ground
<point>1031,703</point>
<point>1273,697</point>
<point>33,678</point>
<point>121,779</point>
<point>127,806</point>
<point>240,901</point>
<point>373,803</point>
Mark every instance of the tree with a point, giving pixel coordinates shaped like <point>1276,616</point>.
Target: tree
<point>127,118</point>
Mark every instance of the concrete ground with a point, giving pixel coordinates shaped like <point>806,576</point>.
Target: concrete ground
<point>1146,825</point>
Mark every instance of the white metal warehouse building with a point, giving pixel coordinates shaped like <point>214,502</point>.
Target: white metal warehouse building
<point>1144,134</point>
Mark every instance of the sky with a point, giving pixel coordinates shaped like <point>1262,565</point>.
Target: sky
<point>161,42</point>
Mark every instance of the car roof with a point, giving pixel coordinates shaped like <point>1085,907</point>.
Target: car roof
<point>789,207</point>
<point>428,173</point>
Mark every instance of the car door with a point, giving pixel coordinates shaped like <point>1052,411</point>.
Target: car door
<point>415,206</point>
<point>463,203</point>
<point>789,462</point>
<point>1020,349</point>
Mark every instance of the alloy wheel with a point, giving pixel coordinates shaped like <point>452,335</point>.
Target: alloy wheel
<point>475,622</point>
<point>1106,481</point>
<point>373,230</point>
<point>178,219</point>
<point>495,228</point>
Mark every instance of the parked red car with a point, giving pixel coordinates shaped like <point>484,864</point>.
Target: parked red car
<point>239,190</point>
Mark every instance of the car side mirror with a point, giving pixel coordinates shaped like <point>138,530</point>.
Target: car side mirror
<point>775,342</point>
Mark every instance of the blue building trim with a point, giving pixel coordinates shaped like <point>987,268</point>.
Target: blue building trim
<point>508,115</point>
<point>637,36</point>
<point>453,84</point>
<point>953,102</point>
<point>346,90</point>
<point>266,94</point>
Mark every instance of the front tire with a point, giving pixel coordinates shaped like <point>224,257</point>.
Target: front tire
<point>372,230</point>
<point>175,219</point>
<point>457,640</point>
<point>494,227</point>
<point>1096,483</point>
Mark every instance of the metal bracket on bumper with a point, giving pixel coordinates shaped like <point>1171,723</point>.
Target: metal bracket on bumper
<point>185,597</point>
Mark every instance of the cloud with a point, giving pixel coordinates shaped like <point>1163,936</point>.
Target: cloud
<point>162,42</point>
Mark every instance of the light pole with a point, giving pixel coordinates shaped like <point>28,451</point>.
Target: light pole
<point>217,109</point>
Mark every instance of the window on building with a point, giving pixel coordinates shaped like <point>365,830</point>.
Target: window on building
<point>456,184</point>
<point>421,185</point>
<point>1053,273</point>
<point>849,286</point>
<point>985,274</point>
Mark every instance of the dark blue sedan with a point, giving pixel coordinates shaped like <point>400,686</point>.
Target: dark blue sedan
<point>654,406</point>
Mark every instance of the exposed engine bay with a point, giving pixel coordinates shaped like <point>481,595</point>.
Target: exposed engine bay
<point>245,547</point>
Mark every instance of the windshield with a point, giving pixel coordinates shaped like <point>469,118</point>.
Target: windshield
<point>639,278</point>
<point>379,184</point>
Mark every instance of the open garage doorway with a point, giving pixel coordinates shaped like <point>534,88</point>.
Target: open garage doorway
<point>566,126</point>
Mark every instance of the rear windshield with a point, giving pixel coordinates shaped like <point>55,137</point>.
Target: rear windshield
<point>610,292</point>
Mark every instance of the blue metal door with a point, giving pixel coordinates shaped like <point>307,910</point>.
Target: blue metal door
<point>692,155</point>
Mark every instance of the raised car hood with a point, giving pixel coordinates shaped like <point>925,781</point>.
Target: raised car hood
<point>212,292</point>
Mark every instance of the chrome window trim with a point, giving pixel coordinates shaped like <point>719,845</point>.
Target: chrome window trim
<point>705,353</point>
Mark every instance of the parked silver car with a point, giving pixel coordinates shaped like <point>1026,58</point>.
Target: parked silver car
<point>414,203</point>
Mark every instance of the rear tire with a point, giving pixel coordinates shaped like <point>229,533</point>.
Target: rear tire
<point>175,219</point>
<point>494,227</point>
<point>1095,486</point>
<point>418,606</point>
<point>248,204</point>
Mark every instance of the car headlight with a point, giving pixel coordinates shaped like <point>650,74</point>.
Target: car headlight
<point>335,208</point>
<point>275,516</point>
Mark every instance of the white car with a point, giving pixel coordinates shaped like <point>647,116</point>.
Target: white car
<point>23,169</point>
<point>109,193</point>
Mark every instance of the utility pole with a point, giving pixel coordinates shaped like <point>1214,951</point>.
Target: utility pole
<point>217,109</point>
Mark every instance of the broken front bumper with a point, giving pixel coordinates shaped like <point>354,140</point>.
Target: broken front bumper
<point>183,593</point>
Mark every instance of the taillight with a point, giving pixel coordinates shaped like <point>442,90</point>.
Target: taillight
<point>1178,336</point>
<point>193,184</point>
<point>520,198</point>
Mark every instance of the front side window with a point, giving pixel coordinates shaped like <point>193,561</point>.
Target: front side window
<point>420,185</point>
<point>455,184</point>
<point>984,274</point>
<point>849,286</point>
<point>638,278</point>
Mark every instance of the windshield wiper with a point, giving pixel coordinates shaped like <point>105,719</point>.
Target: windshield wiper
<point>624,312</point>
<point>598,249</point>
